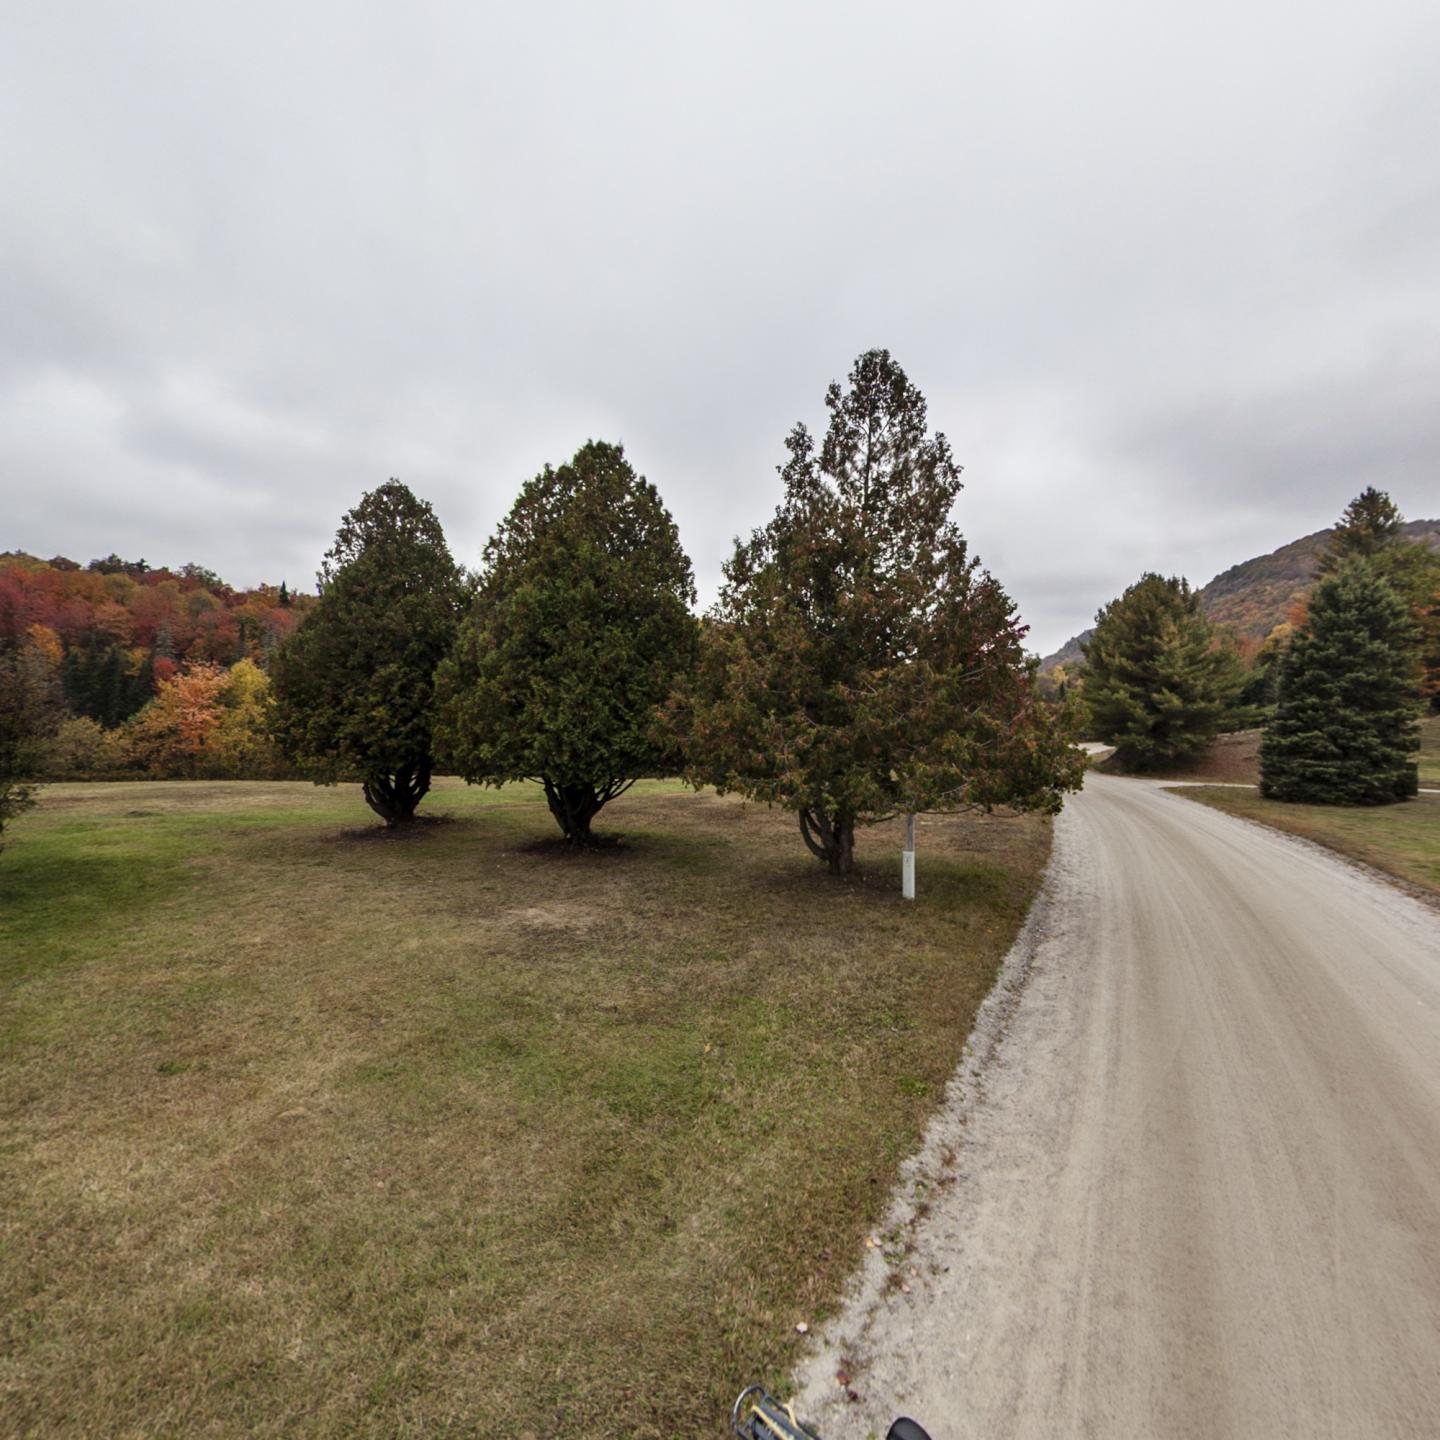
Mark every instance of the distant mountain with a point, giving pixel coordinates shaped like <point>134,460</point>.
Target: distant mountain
<point>1257,595</point>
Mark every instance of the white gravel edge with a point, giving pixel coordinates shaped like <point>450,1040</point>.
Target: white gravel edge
<point>817,1392</point>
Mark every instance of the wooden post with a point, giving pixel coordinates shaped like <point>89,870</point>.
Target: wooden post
<point>907,874</point>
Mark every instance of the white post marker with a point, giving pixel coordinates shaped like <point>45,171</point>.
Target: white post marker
<point>907,872</point>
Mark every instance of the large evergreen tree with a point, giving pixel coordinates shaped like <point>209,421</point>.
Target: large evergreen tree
<point>579,626</point>
<point>1371,529</point>
<point>859,663</point>
<point>1160,680</point>
<point>1347,723</point>
<point>1370,524</point>
<point>354,685</point>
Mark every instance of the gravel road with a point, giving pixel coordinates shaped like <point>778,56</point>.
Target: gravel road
<point>1188,1183</point>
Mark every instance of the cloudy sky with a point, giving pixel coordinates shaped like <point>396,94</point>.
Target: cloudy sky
<point>1169,275</point>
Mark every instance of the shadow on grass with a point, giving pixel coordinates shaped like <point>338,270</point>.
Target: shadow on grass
<point>422,827</point>
<point>56,897</point>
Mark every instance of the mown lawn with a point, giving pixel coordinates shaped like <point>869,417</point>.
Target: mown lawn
<point>1403,840</point>
<point>311,1130</point>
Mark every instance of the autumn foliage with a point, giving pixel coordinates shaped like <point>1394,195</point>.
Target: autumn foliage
<point>154,672</point>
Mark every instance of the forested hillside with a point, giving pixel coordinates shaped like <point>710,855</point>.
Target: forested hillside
<point>160,671</point>
<point>1257,595</point>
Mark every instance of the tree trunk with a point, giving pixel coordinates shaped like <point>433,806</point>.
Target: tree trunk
<point>394,797</point>
<point>831,838</point>
<point>574,807</point>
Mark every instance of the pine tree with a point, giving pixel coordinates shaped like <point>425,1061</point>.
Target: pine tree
<point>354,685</point>
<point>1347,722</point>
<point>100,681</point>
<point>579,627</point>
<point>1160,680</point>
<point>1371,522</point>
<point>1371,529</point>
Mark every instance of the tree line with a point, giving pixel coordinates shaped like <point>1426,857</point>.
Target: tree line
<point>859,662</point>
<point>125,650</point>
<point>1339,688</point>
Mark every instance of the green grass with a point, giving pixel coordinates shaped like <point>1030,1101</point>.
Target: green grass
<point>1430,750</point>
<point>304,1128</point>
<point>1402,840</point>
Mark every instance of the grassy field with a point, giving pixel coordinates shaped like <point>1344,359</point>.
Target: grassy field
<point>311,1129</point>
<point>1430,750</point>
<point>1402,840</point>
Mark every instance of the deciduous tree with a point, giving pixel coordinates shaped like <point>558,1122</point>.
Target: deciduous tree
<point>171,736</point>
<point>354,685</point>
<point>1347,721</point>
<point>1159,678</point>
<point>579,626</point>
<point>859,663</point>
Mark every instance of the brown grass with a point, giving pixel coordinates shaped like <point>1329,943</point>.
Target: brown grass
<point>444,1134</point>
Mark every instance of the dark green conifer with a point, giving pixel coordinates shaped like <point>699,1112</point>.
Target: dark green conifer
<point>579,625</point>
<point>1160,680</point>
<point>353,687</point>
<point>1371,523</point>
<point>1347,722</point>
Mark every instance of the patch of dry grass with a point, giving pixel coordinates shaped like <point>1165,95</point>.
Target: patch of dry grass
<point>305,1131</point>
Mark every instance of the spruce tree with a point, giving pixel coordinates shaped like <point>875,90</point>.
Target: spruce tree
<point>1370,524</point>
<point>354,685</point>
<point>1347,722</point>
<point>1160,680</point>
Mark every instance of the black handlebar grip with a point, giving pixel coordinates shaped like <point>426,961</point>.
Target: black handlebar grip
<point>906,1429</point>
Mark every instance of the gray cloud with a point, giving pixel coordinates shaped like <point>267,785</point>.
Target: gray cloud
<point>1169,276</point>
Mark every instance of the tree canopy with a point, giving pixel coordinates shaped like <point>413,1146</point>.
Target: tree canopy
<point>1371,530</point>
<point>859,662</point>
<point>354,686</point>
<point>579,626</point>
<point>1347,722</point>
<point>1160,680</point>
<point>1369,524</point>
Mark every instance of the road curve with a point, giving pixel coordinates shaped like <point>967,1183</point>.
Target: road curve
<point>1199,1192</point>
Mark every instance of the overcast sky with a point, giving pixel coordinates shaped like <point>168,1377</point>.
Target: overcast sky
<point>1168,275</point>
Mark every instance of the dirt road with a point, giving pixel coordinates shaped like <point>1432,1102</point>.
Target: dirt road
<point>1196,1186</point>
